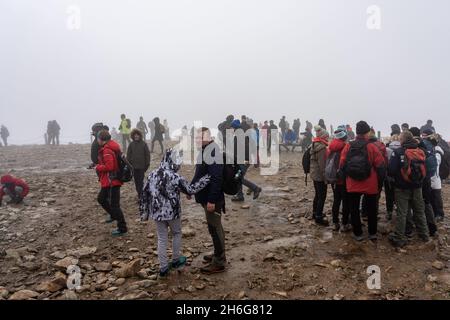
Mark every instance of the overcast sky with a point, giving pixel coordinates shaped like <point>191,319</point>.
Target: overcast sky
<point>188,60</point>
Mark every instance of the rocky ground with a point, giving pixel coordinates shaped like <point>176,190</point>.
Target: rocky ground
<point>274,249</point>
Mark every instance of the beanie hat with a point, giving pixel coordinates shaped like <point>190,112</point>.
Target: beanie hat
<point>340,132</point>
<point>321,132</point>
<point>415,131</point>
<point>235,124</point>
<point>362,128</point>
<point>395,129</point>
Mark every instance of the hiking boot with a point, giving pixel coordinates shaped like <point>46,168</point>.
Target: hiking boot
<point>118,233</point>
<point>347,228</point>
<point>257,193</point>
<point>212,268</point>
<point>336,227</point>
<point>373,237</point>
<point>358,238</point>
<point>238,198</point>
<point>178,263</point>
<point>322,222</point>
<point>164,273</point>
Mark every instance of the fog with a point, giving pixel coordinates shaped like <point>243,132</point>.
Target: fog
<point>203,59</point>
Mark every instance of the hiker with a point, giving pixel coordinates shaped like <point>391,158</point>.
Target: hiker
<point>307,140</point>
<point>428,126</point>
<point>405,127</point>
<point>4,134</point>
<point>141,126</point>
<point>96,128</point>
<point>107,168</point>
<point>138,155</point>
<point>436,183</point>
<point>166,130</point>
<point>239,197</point>
<point>125,129</point>
<point>151,127</point>
<point>407,167</point>
<point>13,188</point>
<point>382,148</point>
<point>211,198</point>
<point>296,128</point>
<point>350,134</point>
<point>322,124</point>
<point>289,140</point>
<point>431,168</point>
<point>161,202</point>
<point>223,127</point>
<point>283,127</point>
<point>389,183</point>
<point>49,132</point>
<point>56,129</point>
<point>274,128</point>
<point>245,124</point>
<point>364,168</point>
<point>337,183</point>
<point>317,170</point>
<point>158,136</point>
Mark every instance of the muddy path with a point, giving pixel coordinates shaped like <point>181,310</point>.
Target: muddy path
<point>274,250</point>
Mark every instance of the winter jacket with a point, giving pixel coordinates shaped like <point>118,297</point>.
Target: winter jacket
<point>290,137</point>
<point>94,151</point>
<point>436,183</point>
<point>161,194</point>
<point>318,160</point>
<point>381,147</point>
<point>336,146</point>
<point>372,184</point>
<point>159,130</point>
<point>124,127</point>
<point>213,193</point>
<point>395,165</point>
<point>108,165</point>
<point>138,155</point>
<point>11,183</point>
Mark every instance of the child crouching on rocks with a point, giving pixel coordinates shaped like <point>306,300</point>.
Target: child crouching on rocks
<point>161,202</point>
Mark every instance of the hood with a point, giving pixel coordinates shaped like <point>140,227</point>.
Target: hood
<point>7,179</point>
<point>336,145</point>
<point>172,160</point>
<point>114,146</point>
<point>134,132</point>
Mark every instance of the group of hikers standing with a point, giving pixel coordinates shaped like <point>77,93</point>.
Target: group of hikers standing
<point>409,167</point>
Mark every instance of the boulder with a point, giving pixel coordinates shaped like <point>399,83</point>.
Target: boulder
<point>129,270</point>
<point>24,295</point>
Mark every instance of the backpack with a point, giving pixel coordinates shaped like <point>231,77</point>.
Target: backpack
<point>414,169</point>
<point>444,168</point>
<point>232,177</point>
<point>331,167</point>
<point>125,172</point>
<point>306,163</point>
<point>431,164</point>
<point>357,165</point>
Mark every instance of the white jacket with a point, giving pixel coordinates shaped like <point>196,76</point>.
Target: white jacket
<point>436,183</point>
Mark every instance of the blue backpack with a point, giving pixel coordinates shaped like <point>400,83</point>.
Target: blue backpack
<point>431,163</point>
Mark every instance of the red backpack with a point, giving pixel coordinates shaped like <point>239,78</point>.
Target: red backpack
<point>414,169</point>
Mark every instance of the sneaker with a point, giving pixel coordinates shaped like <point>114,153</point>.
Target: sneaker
<point>257,193</point>
<point>336,227</point>
<point>358,238</point>
<point>212,268</point>
<point>322,222</point>
<point>373,237</point>
<point>164,273</point>
<point>178,263</point>
<point>238,199</point>
<point>347,228</point>
<point>118,233</point>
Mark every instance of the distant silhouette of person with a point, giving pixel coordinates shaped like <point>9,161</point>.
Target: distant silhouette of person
<point>125,130</point>
<point>158,136</point>
<point>322,124</point>
<point>143,128</point>
<point>151,127</point>
<point>4,133</point>
<point>56,129</point>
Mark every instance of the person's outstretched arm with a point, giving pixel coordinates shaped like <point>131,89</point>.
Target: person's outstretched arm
<point>193,188</point>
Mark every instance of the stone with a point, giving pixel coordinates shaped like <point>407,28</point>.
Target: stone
<point>129,270</point>
<point>190,289</point>
<point>145,283</point>
<point>103,266</point>
<point>133,250</point>
<point>24,295</point>
<point>82,252</point>
<point>241,295</point>
<point>3,292</point>
<point>268,238</point>
<point>70,295</point>
<point>120,281</point>
<point>111,289</point>
<point>63,264</point>
<point>58,255</point>
<point>188,232</point>
<point>245,206</point>
<point>281,294</point>
<point>438,265</point>
<point>336,263</point>
<point>338,296</point>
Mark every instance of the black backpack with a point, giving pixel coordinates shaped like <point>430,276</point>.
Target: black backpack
<point>357,165</point>
<point>306,162</point>
<point>125,171</point>
<point>232,176</point>
<point>444,168</point>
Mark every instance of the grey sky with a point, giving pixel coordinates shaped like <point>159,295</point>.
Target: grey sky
<point>203,59</point>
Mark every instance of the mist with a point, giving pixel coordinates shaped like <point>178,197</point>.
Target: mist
<point>200,60</point>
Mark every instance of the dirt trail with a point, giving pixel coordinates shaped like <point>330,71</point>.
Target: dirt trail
<point>274,250</point>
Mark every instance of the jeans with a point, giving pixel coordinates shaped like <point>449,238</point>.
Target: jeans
<point>340,196</point>
<point>320,188</point>
<point>371,209</point>
<point>163,240</point>
<point>215,228</point>
<point>138,176</point>
<point>109,199</point>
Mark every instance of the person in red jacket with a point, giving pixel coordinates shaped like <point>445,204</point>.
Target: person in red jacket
<point>339,190</point>
<point>364,169</point>
<point>107,167</point>
<point>13,188</point>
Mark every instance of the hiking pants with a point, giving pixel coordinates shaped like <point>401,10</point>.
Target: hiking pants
<point>109,199</point>
<point>340,196</point>
<point>163,241</point>
<point>160,144</point>
<point>215,228</point>
<point>138,176</point>
<point>320,188</point>
<point>371,200</point>
<point>437,203</point>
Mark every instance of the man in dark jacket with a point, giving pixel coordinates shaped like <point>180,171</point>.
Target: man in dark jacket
<point>96,128</point>
<point>211,198</point>
<point>138,155</point>
<point>223,127</point>
<point>158,135</point>
<point>407,193</point>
